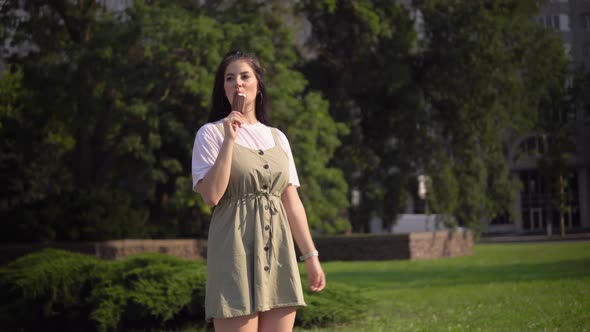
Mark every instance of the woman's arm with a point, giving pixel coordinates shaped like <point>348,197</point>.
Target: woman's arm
<point>300,229</point>
<point>213,185</point>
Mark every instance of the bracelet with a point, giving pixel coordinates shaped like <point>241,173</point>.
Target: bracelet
<point>309,255</point>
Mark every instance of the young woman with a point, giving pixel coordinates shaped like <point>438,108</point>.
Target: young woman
<point>245,168</point>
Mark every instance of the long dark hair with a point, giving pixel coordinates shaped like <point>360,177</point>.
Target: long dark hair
<point>220,106</point>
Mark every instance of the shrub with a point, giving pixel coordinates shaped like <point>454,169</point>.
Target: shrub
<point>149,290</point>
<point>337,303</point>
<point>43,287</point>
<point>54,289</point>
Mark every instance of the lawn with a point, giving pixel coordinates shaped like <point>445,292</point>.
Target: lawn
<point>501,287</point>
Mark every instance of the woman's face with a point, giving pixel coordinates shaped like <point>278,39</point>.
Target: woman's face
<point>239,78</point>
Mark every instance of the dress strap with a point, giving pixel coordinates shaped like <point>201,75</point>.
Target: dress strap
<point>275,136</point>
<point>219,127</point>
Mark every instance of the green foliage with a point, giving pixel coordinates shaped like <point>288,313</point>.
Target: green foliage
<point>444,197</point>
<point>301,114</point>
<point>109,105</point>
<point>558,130</point>
<point>435,96</point>
<point>337,303</point>
<point>58,287</point>
<point>55,288</point>
<point>506,54</point>
<point>148,289</point>
<point>361,65</point>
<point>315,137</point>
<point>116,99</point>
<point>40,287</point>
<point>10,92</point>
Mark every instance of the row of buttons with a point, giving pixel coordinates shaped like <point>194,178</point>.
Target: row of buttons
<point>267,227</point>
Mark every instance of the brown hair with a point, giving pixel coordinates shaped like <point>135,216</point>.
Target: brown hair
<point>220,106</point>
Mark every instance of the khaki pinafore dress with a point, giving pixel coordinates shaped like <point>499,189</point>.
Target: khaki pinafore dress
<point>251,261</point>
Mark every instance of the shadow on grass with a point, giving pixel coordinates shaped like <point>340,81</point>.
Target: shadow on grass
<point>441,276</point>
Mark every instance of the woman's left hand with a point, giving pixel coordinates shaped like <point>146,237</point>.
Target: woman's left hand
<point>316,279</point>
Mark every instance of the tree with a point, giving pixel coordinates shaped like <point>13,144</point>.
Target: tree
<point>99,135</point>
<point>360,60</point>
<point>480,75</point>
<point>557,125</point>
<point>437,94</point>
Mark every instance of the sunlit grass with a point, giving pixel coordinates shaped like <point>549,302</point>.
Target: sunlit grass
<point>502,287</point>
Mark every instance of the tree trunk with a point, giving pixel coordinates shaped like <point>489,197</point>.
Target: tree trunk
<point>562,204</point>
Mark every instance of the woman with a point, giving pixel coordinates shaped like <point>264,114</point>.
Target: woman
<point>245,168</point>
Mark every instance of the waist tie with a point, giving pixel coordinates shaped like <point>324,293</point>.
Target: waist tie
<point>261,196</point>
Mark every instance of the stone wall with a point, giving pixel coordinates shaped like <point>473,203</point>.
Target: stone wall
<point>430,245</point>
<point>423,245</point>
<point>420,245</point>
<point>183,248</point>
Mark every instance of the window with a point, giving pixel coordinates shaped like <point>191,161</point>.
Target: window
<point>501,219</point>
<point>564,22</point>
<point>549,21</point>
<point>533,146</point>
<point>556,22</point>
<point>586,21</point>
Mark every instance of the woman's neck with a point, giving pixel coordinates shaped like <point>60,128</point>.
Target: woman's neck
<point>250,116</point>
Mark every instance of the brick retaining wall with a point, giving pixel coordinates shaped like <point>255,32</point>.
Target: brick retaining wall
<point>424,245</point>
<point>183,248</point>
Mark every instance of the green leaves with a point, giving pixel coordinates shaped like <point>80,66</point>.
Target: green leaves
<point>112,107</point>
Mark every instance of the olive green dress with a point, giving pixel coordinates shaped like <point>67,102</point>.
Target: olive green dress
<point>251,262</point>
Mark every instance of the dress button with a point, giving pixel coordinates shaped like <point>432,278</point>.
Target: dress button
<point>265,166</point>
<point>266,228</point>
<point>266,248</point>
<point>264,187</point>
<point>266,207</point>
<point>266,268</point>
<point>260,152</point>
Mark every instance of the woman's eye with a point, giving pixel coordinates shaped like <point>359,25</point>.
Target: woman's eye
<point>227,79</point>
<point>245,77</point>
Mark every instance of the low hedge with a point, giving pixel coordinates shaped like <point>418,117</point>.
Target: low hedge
<point>60,290</point>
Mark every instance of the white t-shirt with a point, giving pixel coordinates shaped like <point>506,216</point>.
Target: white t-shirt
<point>256,136</point>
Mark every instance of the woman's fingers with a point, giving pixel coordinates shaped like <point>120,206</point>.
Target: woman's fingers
<point>316,278</point>
<point>235,118</point>
<point>320,282</point>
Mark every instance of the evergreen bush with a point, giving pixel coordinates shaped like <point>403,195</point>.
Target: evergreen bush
<point>56,290</point>
<point>45,288</point>
<point>149,290</point>
<point>336,304</point>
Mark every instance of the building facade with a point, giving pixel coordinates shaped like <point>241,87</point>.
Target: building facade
<point>570,19</point>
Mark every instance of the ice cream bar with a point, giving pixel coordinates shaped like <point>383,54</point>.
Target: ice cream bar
<point>238,104</point>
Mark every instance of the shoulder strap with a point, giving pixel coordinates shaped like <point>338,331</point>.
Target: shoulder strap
<point>275,136</point>
<point>219,127</point>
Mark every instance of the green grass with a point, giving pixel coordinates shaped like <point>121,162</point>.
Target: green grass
<point>502,287</point>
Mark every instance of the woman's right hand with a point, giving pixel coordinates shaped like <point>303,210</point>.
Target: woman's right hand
<point>232,123</point>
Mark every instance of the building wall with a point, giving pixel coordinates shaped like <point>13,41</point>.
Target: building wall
<point>580,22</point>
<point>570,19</point>
<point>584,185</point>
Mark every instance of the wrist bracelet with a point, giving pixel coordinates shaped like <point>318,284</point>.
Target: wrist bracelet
<point>309,255</point>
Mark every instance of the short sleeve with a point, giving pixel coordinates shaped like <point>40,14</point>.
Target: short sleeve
<point>205,150</point>
<point>293,177</point>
